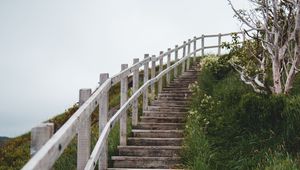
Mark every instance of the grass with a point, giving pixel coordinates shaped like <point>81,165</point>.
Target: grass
<point>231,127</point>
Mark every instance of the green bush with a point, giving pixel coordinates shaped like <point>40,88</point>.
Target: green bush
<point>291,116</point>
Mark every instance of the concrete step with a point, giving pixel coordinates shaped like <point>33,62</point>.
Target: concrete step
<point>155,141</point>
<point>178,102</point>
<point>160,126</point>
<point>183,95</point>
<point>172,99</point>
<point>150,151</point>
<point>162,119</point>
<point>145,162</point>
<point>164,114</point>
<point>169,104</point>
<point>168,109</point>
<point>146,133</point>
<point>174,90</point>
<point>139,169</point>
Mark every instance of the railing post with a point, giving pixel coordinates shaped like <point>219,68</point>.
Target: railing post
<point>189,53</point>
<point>123,119</point>
<point>168,65</point>
<point>176,59</point>
<point>146,76</point>
<point>84,133</point>
<point>195,48</point>
<point>153,66</point>
<point>183,55</point>
<point>219,44</point>
<point>103,117</point>
<point>135,87</point>
<point>160,82</point>
<point>202,44</point>
<point>39,136</point>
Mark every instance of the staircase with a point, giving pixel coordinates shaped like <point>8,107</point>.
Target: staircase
<point>156,141</point>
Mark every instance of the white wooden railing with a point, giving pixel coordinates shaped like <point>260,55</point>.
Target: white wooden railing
<point>80,122</point>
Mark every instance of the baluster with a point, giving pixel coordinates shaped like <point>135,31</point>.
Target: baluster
<point>153,65</point>
<point>160,81</point>
<point>195,49</point>
<point>84,133</point>
<point>39,136</point>
<point>123,119</point>
<point>176,59</point>
<point>219,44</point>
<point>135,87</point>
<point>103,117</point>
<point>183,55</point>
<point>168,65</point>
<point>189,54</point>
<point>202,44</point>
<point>146,76</point>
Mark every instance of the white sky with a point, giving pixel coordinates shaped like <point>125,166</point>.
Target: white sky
<point>51,49</point>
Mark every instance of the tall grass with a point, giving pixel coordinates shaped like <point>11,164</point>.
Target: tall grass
<point>231,127</point>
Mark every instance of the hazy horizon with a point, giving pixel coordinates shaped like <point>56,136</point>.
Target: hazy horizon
<point>51,49</point>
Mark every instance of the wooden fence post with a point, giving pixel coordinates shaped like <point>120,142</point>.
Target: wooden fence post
<point>39,136</point>
<point>244,36</point>
<point>176,59</point>
<point>183,55</point>
<point>123,119</point>
<point>195,48</point>
<point>219,44</point>
<point>153,66</point>
<point>160,82</point>
<point>103,117</point>
<point>168,65</point>
<point>84,133</point>
<point>146,77</point>
<point>202,44</point>
<point>135,87</point>
<point>190,55</point>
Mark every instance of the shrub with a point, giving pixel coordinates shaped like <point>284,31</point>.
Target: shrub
<point>291,116</point>
<point>261,112</point>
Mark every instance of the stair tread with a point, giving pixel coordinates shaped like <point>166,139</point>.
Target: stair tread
<point>145,123</point>
<point>150,147</point>
<point>143,158</point>
<point>169,117</point>
<point>139,169</point>
<point>155,131</point>
<point>140,138</point>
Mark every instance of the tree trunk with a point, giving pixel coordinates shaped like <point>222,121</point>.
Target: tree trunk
<point>292,75</point>
<point>296,62</point>
<point>276,76</point>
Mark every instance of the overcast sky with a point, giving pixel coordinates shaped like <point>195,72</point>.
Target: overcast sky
<point>50,49</point>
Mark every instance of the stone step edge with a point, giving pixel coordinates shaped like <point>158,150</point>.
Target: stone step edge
<point>155,131</point>
<point>139,169</point>
<point>125,158</point>
<point>151,147</point>
<point>141,138</point>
